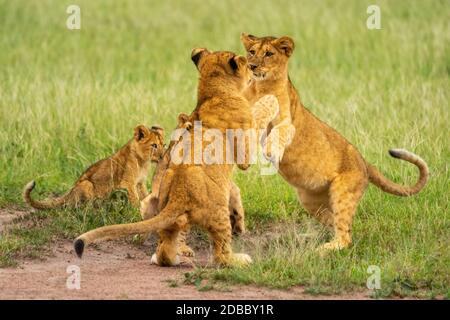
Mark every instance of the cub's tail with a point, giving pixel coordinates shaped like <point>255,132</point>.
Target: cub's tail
<point>48,203</point>
<point>165,219</point>
<point>378,179</point>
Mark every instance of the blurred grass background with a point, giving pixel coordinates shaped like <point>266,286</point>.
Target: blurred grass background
<point>71,97</point>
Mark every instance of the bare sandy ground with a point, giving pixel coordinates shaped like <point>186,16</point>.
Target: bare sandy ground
<point>117,270</point>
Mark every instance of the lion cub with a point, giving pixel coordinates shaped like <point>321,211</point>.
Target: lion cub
<point>126,169</point>
<point>328,172</point>
<point>266,81</point>
<point>149,205</point>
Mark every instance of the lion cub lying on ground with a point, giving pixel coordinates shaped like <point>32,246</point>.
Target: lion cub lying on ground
<point>198,193</point>
<point>126,169</point>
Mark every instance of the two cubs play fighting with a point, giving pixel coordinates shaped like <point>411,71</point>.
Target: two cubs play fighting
<point>235,92</point>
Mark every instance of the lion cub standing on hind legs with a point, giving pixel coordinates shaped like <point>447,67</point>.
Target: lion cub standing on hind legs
<point>199,193</point>
<point>126,169</point>
<point>330,175</point>
<point>149,205</point>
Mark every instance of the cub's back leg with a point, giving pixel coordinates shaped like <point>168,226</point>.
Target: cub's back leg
<point>219,228</point>
<point>82,192</point>
<point>168,248</point>
<point>149,209</point>
<point>183,248</point>
<point>346,191</point>
<point>166,253</point>
<point>318,205</point>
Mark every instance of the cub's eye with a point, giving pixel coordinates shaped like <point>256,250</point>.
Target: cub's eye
<point>269,54</point>
<point>154,145</point>
<point>252,52</point>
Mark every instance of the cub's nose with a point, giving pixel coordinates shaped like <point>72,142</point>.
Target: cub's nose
<point>252,66</point>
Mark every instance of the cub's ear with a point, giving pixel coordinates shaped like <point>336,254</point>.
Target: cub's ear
<point>159,130</point>
<point>141,132</point>
<point>237,62</point>
<point>196,55</point>
<point>183,121</point>
<point>248,40</point>
<point>285,44</point>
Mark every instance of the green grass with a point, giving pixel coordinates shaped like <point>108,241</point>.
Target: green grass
<point>69,98</point>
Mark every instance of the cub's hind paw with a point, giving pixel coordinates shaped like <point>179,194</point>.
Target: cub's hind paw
<point>333,245</point>
<point>154,260</point>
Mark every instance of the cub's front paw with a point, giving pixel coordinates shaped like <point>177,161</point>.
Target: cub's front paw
<point>265,110</point>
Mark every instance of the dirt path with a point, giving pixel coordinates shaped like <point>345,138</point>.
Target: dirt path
<point>117,270</point>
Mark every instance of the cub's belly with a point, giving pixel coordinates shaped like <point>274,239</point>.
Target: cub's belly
<point>302,167</point>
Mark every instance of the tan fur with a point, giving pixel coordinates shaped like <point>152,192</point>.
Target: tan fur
<point>267,72</point>
<point>328,172</point>
<point>149,205</point>
<point>126,169</point>
<point>197,193</point>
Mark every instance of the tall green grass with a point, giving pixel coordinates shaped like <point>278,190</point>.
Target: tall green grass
<point>71,97</point>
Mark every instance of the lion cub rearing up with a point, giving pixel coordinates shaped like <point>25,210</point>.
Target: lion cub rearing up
<point>126,169</point>
<point>329,173</point>
<point>199,193</point>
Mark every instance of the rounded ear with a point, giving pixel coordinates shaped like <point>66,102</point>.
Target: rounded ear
<point>159,130</point>
<point>237,62</point>
<point>140,132</point>
<point>183,121</point>
<point>248,40</point>
<point>286,45</point>
<point>196,55</point>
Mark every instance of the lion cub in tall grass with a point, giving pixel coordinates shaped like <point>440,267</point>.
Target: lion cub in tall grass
<point>126,169</point>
